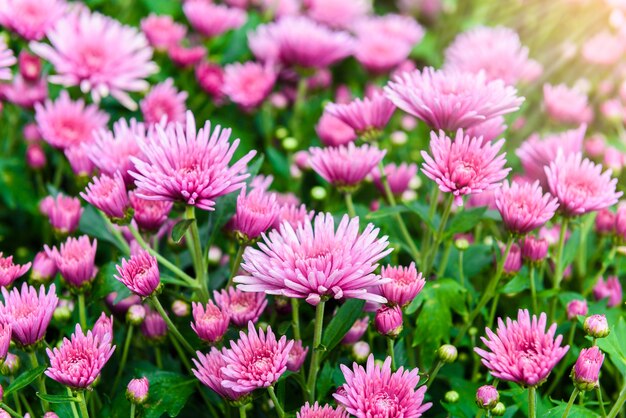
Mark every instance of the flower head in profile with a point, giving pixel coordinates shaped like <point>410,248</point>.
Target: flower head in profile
<point>398,177</point>
<point>249,83</point>
<point>75,259</point>
<point>209,369</point>
<point>242,307</point>
<point>297,355</point>
<point>140,274</point>
<point>320,411</point>
<point>405,283</point>
<point>154,327</point>
<point>9,271</point>
<point>580,185</point>
<point>489,129</point>
<point>162,31</point>
<point>5,340</point>
<point>586,371</point>
<point>164,102</point>
<point>333,132</point>
<point>315,261</point>
<point>186,56</point>
<point>103,326</point>
<point>451,100</point>
<point>182,164</point>
<point>375,391</point>
<point>81,164</point>
<point>524,207</point>
<point>610,289</point>
<point>356,331</point>
<point>337,14</point>
<point>149,215</point>
<point>465,166</point>
<point>44,268</point>
<point>80,359</point>
<point>109,195</point>
<point>65,123</point>
<point>28,312</point>
<point>209,322</point>
<point>99,54</point>
<point>575,308</point>
<point>566,105</point>
<point>521,350</point>
<point>366,116</point>
<point>210,77</point>
<point>212,20</point>
<point>7,59</point>
<point>31,19</point>
<point>293,214</point>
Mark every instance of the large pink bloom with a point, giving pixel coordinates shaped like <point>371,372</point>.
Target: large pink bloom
<point>100,55</point>
<point>580,185</point>
<point>9,271</point>
<point>31,19</point>
<point>346,165</point>
<point>164,101</point>
<point>248,84</point>
<point>566,105</point>
<point>242,307</point>
<point>363,115</point>
<point>65,123</point>
<point>184,165</point>
<point>315,261</point>
<point>7,59</point>
<point>450,100</point>
<point>376,391</point>
<point>212,19</point>
<point>524,207</point>
<point>522,351</point>
<point>465,166</point>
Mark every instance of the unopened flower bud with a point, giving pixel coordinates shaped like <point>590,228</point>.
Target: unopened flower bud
<point>180,308</point>
<point>498,410</point>
<point>360,351</point>
<point>137,390</point>
<point>447,353</point>
<point>62,314</point>
<point>215,255</point>
<point>136,314</point>
<point>534,249</point>
<point>487,397</point>
<point>388,321</point>
<point>586,371</point>
<point>513,262</point>
<point>11,365</point>
<point>596,326</point>
<point>575,308</point>
<point>461,244</point>
<point>451,396</point>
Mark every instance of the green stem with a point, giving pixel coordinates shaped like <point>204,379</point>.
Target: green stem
<point>532,402</point>
<point>26,405</point>
<point>158,358</point>
<point>607,261</point>
<point>82,311</point>
<point>533,289</point>
<point>279,409</point>
<point>181,353</point>
<point>391,353</point>
<point>434,201</point>
<point>444,259</point>
<point>199,260</point>
<point>72,404</point>
<point>350,205</point>
<point>242,411</point>
<point>492,313</point>
<point>618,404</point>
<point>432,373</point>
<point>82,404</point>
<point>461,275</point>
<point>570,403</point>
<point>40,380</point>
<point>297,108</point>
<point>430,258</point>
<point>9,410</point>
<point>236,264</point>
<point>16,397</point>
<point>157,305</point>
<point>317,340</point>
<point>116,233</point>
<point>558,271</point>
<point>563,365</point>
<point>120,370</point>
<point>132,410</point>
<point>295,318</point>
<point>599,396</point>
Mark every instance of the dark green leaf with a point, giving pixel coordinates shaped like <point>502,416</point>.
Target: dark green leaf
<point>517,284</point>
<point>385,212</point>
<point>180,228</point>
<point>163,7</point>
<point>341,323</point>
<point>106,283</point>
<point>168,393</point>
<point>92,224</point>
<point>421,210</point>
<point>279,162</point>
<point>25,379</point>
<point>465,221</point>
<point>325,380</point>
<point>571,247</point>
<point>57,398</point>
<point>615,345</point>
<point>576,411</point>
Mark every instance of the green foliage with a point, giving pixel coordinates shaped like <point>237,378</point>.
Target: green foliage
<point>341,323</point>
<point>25,379</point>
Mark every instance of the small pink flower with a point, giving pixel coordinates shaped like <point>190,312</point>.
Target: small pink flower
<point>388,321</point>
<point>293,215</point>
<point>465,166</point>
<point>333,132</point>
<point>576,308</point>
<point>44,268</point>
<point>405,283</point>
<point>30,68</point>
<point>140,274</point>
<point>534,249</point>
<point>364,115</point>
<point>566,105</point>
<point>355,332</point>
<point>109,195</point>
<point>210,371</point>
<point>9,271</point>
<point>35,156</point>
<point>490,129</point>
<point>75,260</point>
<point>31,19</point>
<point>580,185</point>
<point>153,326</point>
<point>149,215</point>
<point>586,371</point>
<point>212,20</point>
<point>5,340</point>
<point>121,306</point>
<point>319,411</point>
<point>611,289</point>
<point>596,326</point>
<point>79,360</point>
<point>524,207</point>
<point>378,54</point>
<point>256,212</point>
<point>186,56</point>
<point>337,14</point>
<point>28,312</point>
<point>392,27</point>
<point>398,176</point>
<point>513,262</point>
<point>209,322</point>
<point>164,102</point>
<point>7,59</point>
<point>345,166</point>
<point>63,212</point>
<point>80,162</point>
<point>297,355</point>
<point>24,93</point>
<point>211,79</point>
<point>103,326</point>
<point>162,31</point>
<point>522,351</point>
<point>487,397</point>
<point>606,221</point>
<point>242,307</point>
<point>603,49</point>
<point>137,390</point>
<point>376,391</point>
<point>248,84</point>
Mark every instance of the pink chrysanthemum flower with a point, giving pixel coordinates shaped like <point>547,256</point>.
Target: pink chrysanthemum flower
<point>242,307</point>
<point>103,326</point>
<point>65,123</point>
<point>496,51</point>
<point>81,165</point>
<point>450,100</point>
<point>149,215</point>
<point>75,260</point>
<point>28,312</point>
<point>164,102</point>
<point>24,93</point>
<point>7,59</point>
<point>337,14</point>
<point>210,371</point>
<point>315,261</point>
<point>566,105</point>
<point>248,84</point>
<point>391,27</point>
<point>293,215</point>
<point>31,19</point>
<point>580,185</point>
<point>186,56</point>
<point>210,77</point>
<point>9,271</point>
<point>489,129</point>
<point>44,268</point>
<point>379,54</point>
<point>586,371</point>
<point>162,32</point>
<point>79,360</point>
<point>398,177</point>
<point>154,327</point>
<point>209,322</point>
<point>465,166</point>
<point>100,55</point>
<point>603,48</point>
<point>364,115</point>
<point>524,207</point>
<point>319,411</point>
<point>299,42</point>
<point>63,212</point>
<point>140,274</point>
<point>256,212</point>
<point>297,355</point>
<point>345,166</point>
<point>109,195</point>
<point>522,351</point>
<point>256,360</point>
<point>212,20</point>
<point>184,165</point>
<point>575,308</point>
<point>333,132</point>
<point>405,283</point>
<point>611,289</point>
<point>377,391</point>
<point>5,340</point>
<point>356,331</point>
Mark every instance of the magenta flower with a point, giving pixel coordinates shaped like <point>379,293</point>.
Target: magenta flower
<point>153,326</point>
<point>465,166</point>
<point>79,360</point>
<point>575,308</point>
<point>212,20</point>
<point>210,371</point>
<point>183,56</point>
<point>522,351</point>
<point>99,54</point>
<point>209,322</point>
<point>534,249</point>
<point>297,355</point>
<point>162,31</point>
<point>315,261</point>
<point>79,161</point>
<point>366,116</point>
<point>211,79</point>
<point>318,411</point>
<point>586,371</point>
<point>31,19</point>
<point>242,307</point>
<point>398,176</point>
<point>75,260</point>
<point>489,129</point>
<point>65,123</point>
<point>248,84</point>
<point>611,289</point>
<point>149,215</point>
<point>164,102</point>
<point>487,397</point>
<point>256,212</point>
<point>345,166</point>
<point>9,271</point>
<point>376,391</point>
<point>182,165</point>
<point>405,283</point>
<point>140,274</point>
<point>109,195</point>
<point>388,321</point>
<point>580,185</point>
<point>137,390</point>
<point>44,268</point>
<point>451,100</point>
<point>513,262</point>
<point>566,105</point>
<point>5,340</point>
<point>28,312</point>
<point>64,212</point>
<point>337,14</point>
<point>7,59</point>
<point>103,326</point>
<point>357,331</point>
<point>524,207</point>
<point>333,132</point>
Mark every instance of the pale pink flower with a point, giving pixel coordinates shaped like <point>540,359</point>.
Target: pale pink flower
<point>376,391</point>
<point>450,100</point>
<point>248,84</point>
<point>242,307</point>
<point>366,116</point>
<point>293,214</point>
<point>379,54</point>
<point>186,56</point>
<point>164,102</point>
<point>75,260</point>
<point>100,55</point>
<point>28,312</point>
<point>297,355</point>
<point>184,165</point>
<point>79,360</point>
<point>154,326</point>
<point>319,411</point>
<point>63,212</point>
<point>162,31</point>
<point>212,20</point>
<point>487,397</point>
<point>534,249</point>
<point>333,132</point>
<point>314,261</point>
<point>603,48</point>
<point>140,274</point>
<point>393,27</point>
<point>31,19</point>
<point>586,371</point>
<point>24,93</point>
<point>7,59</point>
<point>66,123</point>
<point>345,166</point>
<point>489,129</point>
<point>209,322</point>
<point>103,326</point>
<point>522,351</point>
<point>109,195</point>
<point>524,207</point>
<point>575,308</point>
<point>44,268</point>
<point>137,390</point>
<point>566,105</point>
<point>497,51</point>
<point>9,271</point>
<point>210,371</point>
<point>398,177</point>
<point>513,261</point>
<point>357,330</point>
<point>465,166</point>
<point>611,289</point>
<point>580,185</point>
<point>149,215</point>
<point>81,165</point>
<point>405,283</point>
<point>337,14</point>
<point>5,340</point>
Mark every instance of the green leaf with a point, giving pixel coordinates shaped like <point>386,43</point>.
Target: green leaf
<point>422,210</point>
<point>92,224</point>
<point>163,7</point>
<point>57,398</point>
<point>169,393</point>
<point>465,221</point>
<point>106,283</point>
<point>341,323</point>
<point>25,379</point>
<point>279,162</point>
<point>325,380</point>
<point>615,345</point>
<point>571,247</point>
<point>385,212</point>
<point>517,284</point>
<point>576,411</point>
<point>180,228</point>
